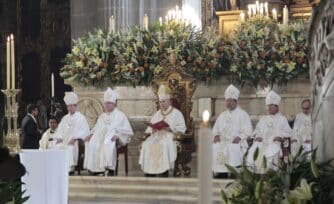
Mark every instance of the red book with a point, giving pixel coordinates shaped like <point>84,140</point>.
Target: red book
<point>158,125</point>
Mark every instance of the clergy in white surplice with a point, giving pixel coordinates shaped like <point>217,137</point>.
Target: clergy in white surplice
<point>302,129</point>
<point>158,152</point>
<point>48,140</point>
<point>72,127</point>
<point>269,132</point>
<point>230,132</point>
<point>111,130</point>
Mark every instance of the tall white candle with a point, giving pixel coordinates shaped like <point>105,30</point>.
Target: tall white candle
<point>261,9</point>
<point>274,14</point>
<point>285,15</point>
<point>12,50</point>
<point>254,9</point>
<point>257,6</point>
<point>8,63</point>
<point>266,9</point>
<point>146,22</point>
<point>111,24</point>
<point>242,17</point>
<point>249,10</point>
<point>205,161</point>
<point>160,21</point>
<point>52,85</point>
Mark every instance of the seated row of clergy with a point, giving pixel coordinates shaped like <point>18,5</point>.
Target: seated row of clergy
<point>233,127</point>
<point>158,152</point>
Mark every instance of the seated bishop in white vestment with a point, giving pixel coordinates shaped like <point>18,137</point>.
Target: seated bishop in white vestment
<point>269,132</point>
<point>158,152</point>
<point>111,130</point>
<point>48,140</point>
<point>72,127</point>
<point>230,133</point>
<point>302,129</point>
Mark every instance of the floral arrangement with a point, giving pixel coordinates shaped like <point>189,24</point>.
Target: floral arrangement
<point>134,57</point>
<point>301,180</point>
<point>260,50</point>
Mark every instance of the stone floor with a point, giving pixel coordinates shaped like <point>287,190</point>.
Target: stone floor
<point>115,202</point>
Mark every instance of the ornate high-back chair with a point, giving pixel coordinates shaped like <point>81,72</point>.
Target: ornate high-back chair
<point>183,87</point>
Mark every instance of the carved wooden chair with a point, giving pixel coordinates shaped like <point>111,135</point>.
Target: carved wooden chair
<point>122,150</point>
<point>92,108</point>
<point>183,87</point>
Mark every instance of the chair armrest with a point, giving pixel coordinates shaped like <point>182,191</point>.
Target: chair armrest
<point>144,136</point>
<point>179,136</point>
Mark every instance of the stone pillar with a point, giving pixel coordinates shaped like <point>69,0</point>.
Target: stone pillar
<point>321,41</point>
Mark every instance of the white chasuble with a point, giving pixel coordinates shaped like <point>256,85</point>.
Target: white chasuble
<point>302,130</point>
<point>229,125</point>
<point>72,126</point>
<point>48,140</point>
<point>158,152</point>
<point>101,151</point>
<point>268,128</point>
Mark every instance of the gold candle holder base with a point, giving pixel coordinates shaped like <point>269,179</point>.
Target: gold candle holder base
<point>12,138</point>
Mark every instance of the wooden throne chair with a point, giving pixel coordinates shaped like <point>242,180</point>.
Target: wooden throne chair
<point>182,86</point>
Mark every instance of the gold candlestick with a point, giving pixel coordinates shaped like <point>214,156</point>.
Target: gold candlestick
<point>12,139</point>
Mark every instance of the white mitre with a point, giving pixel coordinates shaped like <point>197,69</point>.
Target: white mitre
<point>164,92</point>
<point>273,98</point>
<point>70,98</point>
<point>110,95</point>
<point>232,92</point>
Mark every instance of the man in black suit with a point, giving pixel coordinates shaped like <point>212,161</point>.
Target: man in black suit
<point>29,129</point>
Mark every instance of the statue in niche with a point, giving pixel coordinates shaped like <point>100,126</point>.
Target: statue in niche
<point>226,5</point>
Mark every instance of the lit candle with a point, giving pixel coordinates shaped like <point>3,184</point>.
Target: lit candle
<point>160,21</point>
<point>205,160</point>
<point>242,17</point>
<point>261,9</point>
<point>257,6</point>
<point>274,14</point>
<point>8,62</point>
<point>111,24</point>
<point>249,10</point>
<point>266,9</point>
<point>145,22</point>
<point>285,15</point>
<point>52,85</point>
<point>254,9</point>
<point>12,50</point>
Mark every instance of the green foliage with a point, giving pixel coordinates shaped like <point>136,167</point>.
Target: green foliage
<point>301,180</point>
<point>11,193</point>
<point>258,50</point>
<point>263,50</point>
<point>134,57</point>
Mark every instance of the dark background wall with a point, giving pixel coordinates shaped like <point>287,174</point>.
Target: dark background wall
<point>43,37</point>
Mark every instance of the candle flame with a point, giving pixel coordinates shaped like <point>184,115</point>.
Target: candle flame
<point>11,36</point>
<point>8,39</point>
<point>206,116</point>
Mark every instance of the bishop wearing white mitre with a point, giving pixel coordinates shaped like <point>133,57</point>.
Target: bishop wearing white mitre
<point>158,152</point>
<point>269,132</point>
<point>72,127</point>
<point>230,133</point>
<point>111,130</point>
<point>302,129</point>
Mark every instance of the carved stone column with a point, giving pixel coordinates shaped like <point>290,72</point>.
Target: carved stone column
<point>207,12</point>
<point>321,41</point>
